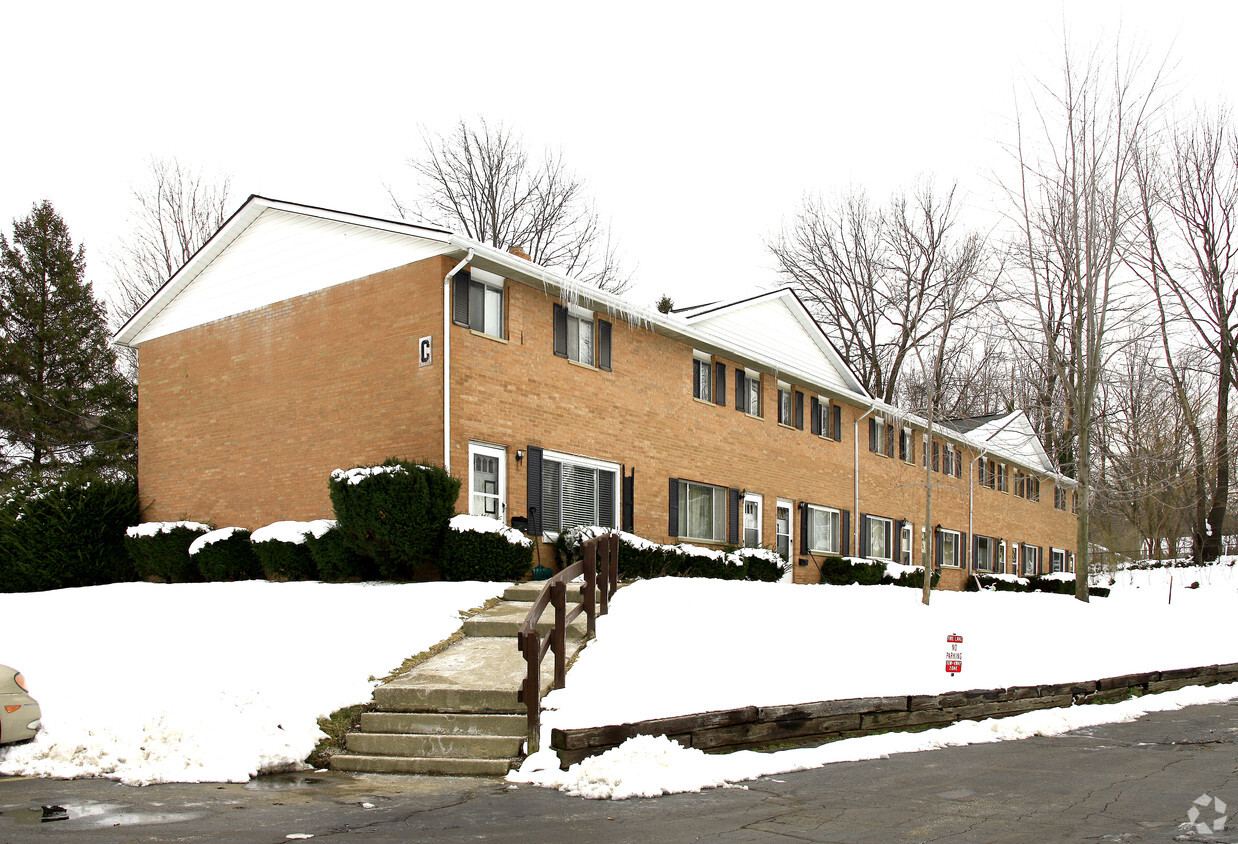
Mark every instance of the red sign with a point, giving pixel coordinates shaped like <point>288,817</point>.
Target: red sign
<point>954,666</point>
<point>954,639</point>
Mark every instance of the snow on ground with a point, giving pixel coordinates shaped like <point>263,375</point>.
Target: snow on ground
<point>208,682</point>
<point>676,646</point>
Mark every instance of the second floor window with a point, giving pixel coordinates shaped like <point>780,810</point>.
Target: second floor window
<point>477,302</point>
<point>578,337</point>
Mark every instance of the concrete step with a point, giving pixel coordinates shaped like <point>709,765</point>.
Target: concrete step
<point>506,619</point>
<point>444,723</point>
<point>475,675</point>
<point>531,589</point>
<point>368,764</point>
<point>436,747</point>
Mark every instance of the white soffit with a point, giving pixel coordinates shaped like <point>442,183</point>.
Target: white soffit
<point>767,329</point>
<point>281,255</point>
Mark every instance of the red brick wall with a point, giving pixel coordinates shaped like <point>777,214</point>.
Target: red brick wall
<point>241,421</point>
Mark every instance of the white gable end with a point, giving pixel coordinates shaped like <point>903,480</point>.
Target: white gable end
<point>769,331</point>
<point>1014,435</point>
<point>281,255</point>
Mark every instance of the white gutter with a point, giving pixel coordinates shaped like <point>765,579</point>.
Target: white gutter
<point>447,359</point>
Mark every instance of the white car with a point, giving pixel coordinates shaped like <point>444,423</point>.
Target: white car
<point>19,712</point>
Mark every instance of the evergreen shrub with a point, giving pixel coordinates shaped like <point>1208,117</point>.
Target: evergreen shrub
<point>68,533</point>
<point>477,551</point>
<point>225,554</point>
<point>160,550</point>
<point>642,559</point>
<point>336,561</point>
<point>282,551</point>
<point>397,514</point>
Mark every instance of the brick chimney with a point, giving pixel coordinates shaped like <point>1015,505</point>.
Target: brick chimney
<point>519,252</point>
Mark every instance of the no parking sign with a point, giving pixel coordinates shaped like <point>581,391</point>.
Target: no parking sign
<point>954,653</point>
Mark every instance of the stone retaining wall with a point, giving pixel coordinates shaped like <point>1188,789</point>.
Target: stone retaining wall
<point>805,723</point>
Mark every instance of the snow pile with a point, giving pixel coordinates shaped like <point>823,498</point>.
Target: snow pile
<point>293,532</point>
<point>675,646</point>
<point>359,474</point>
<point>218,685</point>
<point>482,524</point>
<point>650,766</point>
<point>153,528</point>
<point>211,538</point>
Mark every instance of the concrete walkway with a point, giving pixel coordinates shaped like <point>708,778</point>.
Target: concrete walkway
<point>457,713</point>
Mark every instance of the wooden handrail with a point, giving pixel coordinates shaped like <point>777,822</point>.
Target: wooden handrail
<point>554,594</point>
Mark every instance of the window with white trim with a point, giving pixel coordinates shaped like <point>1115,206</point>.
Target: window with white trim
<point>578,491</point>
<point>579,335</point>
<point>702,377</point>
<point>478,302</point>
<point>823,529</point>
<point>948,541</point>
<point>785,412</point>
<point>985,554</point>
<point>1057,560</point>
<point>1001,557</point>
<point>905,541</point>
<point>1031,560</point>
<point>752,383</point>
<point>880,538</point>
<point>702,511</point>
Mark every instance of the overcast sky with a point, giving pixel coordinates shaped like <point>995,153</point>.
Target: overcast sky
<point>697,127</point>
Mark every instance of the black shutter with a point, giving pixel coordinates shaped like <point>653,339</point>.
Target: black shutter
<point>560,331</point>
<point>803,527</point>
<point>889,440</point>
<point>844,528</point>
<point>460,299</point>
<point>534,490</point>
<point>902,444</point>
<point>603,345</point>
<point>863,535</point>
<point>838,423</point>
<point>936,457</point>
<point>975,550</point>
<point>741,390</point>
<point>962,560</point>
<point>897,528</point>
<point>872,434</point>
<point>733,516</point>
<point>719,383</point>
<point>627,517</point>
<point>937,555</point>
<point>814,410</point>
<point>799,410</point>
<point>672,508</point>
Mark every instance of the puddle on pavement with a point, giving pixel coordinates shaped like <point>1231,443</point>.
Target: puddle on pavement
<point>281,782</point>
<point>91,814</point>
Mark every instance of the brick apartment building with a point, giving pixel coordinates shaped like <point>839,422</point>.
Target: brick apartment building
<point>299,340</point>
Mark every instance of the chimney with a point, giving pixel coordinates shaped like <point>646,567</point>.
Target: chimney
<point>519,252</point>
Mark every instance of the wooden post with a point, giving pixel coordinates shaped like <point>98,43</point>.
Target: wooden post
<point>531,692</point>
<point>590,550</point>
<point>558,637</point>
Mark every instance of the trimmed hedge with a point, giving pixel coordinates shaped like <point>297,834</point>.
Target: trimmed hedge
<point>229,558</point>
<point>642,559</point>
<point>397,514</point>
<point>280,560</point>
<point>336,561</point>
<point>474,555</point>
<point>840,571</point>
<point>1034,583</point>
<point>164,555</point>
<point>64,534</point>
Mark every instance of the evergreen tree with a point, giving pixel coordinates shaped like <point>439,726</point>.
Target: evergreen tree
<point>63,405</point>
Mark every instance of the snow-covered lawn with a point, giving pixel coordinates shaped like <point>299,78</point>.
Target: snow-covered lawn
<point>205,682</point>
<point>673,647</point>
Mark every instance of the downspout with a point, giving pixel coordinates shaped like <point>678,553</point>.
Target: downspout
<point>855,548</point>
<point>447,359</point>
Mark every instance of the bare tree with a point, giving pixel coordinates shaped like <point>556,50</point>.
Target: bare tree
<point>175,211</point>
<point>483,180</point>
<point>1076,206</point>
<point>1190,260</point>
<point>878,280</point>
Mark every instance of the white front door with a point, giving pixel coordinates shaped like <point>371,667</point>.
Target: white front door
<point>782,528</point>
<point>488,481</point>
<point>752,520</point>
